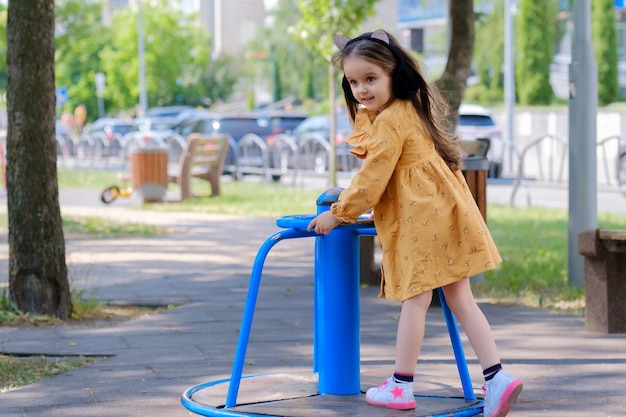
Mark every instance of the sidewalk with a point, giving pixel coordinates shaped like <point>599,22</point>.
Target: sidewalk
<point>142,366</point>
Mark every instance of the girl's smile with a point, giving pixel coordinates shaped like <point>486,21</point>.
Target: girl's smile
<point>370,83</point>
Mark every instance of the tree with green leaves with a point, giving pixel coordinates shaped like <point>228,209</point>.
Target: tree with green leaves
<point>298,67</point>
<point>320,21</point>
<point>604,37</point>
<point>489,51</point>
<point>535,30</point>
<point>38,279</point>
<point>81,36</point>
<point>176,56</point>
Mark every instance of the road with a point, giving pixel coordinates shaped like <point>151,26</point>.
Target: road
<point>499,191</point>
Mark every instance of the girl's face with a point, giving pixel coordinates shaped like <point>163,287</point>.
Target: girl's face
<point>370,84</point>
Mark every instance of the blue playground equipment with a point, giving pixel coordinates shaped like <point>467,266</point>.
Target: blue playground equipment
<point>336,343</point>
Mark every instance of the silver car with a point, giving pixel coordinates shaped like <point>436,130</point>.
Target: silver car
<point>477,122</point>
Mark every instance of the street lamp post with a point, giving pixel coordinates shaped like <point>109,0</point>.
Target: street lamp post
<point>100,79</point>
<point>143,99</point>
<point>583,107</point>
<point>509,74</point>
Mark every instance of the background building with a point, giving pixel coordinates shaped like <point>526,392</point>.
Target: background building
<point>232,23</point>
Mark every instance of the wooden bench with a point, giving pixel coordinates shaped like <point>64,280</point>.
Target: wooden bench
<point>203,157</point>
<point>605,283</point>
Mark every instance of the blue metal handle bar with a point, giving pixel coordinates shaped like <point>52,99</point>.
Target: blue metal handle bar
<point>457,348</point>
<point>248,314</point>
<point>296,228</point>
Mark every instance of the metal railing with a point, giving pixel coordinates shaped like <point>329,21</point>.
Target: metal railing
<point>544,162</point>
<point>541,162</point>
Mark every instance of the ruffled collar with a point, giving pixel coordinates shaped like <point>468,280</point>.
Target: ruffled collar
<point>362,128</point>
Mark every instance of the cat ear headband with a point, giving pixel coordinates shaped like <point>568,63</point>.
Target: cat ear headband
<point>379,35</point>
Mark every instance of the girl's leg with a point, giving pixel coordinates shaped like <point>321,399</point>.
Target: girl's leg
<point>501,389</point>
<point>397,391</point>
<point>462,303</point>
<point>410,336</point>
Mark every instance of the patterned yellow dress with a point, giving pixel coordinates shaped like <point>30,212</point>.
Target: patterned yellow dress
<point>430,229</point>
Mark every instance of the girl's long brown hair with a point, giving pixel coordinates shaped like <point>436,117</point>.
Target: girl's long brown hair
<point>408,83</point>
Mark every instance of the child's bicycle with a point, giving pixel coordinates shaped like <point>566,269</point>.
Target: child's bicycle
<point>111,193</point>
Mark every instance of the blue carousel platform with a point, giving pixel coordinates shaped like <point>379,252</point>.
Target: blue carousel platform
<point>337,384</point>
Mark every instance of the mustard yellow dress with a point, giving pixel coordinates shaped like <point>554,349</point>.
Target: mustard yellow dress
<point>430,229</point>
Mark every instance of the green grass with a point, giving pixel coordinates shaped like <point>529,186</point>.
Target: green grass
<point>16,371</point>
<point>98,228</point>
<point>246,198</point>
<point>90,179</point>
<point>249,198</point>
<point>533,245</point>
<point>531,241</point>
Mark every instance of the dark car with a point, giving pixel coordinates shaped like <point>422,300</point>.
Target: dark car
<point>105,137</point>
<point>66,140</point>
<point>313,153</point>
<point>171,113</point>
<point>237,125</point>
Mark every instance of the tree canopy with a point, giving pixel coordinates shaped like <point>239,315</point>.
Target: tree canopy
<point>603,34</point>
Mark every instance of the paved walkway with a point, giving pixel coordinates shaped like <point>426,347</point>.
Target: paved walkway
<point>142,366</point>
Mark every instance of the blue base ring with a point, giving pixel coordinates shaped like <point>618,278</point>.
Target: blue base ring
<point>472,409</point>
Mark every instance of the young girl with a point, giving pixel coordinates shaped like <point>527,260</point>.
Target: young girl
<point>430,229</point>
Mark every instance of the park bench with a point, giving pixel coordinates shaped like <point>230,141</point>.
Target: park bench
<point>605,283</point>
<point>203,157</point>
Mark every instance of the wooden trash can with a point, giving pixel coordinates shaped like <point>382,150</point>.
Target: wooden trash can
<point>475,171</point>
<point>149,172</point>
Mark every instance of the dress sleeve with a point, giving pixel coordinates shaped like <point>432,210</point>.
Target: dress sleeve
<point>384,147</point>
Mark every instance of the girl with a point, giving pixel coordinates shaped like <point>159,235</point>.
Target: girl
<point>430,229</point>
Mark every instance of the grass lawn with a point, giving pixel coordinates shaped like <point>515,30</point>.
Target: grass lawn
<point>533,246</point>
<point>532,241</point>
<point>16,371</point>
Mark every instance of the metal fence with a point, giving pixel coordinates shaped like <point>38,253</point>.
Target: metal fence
<point>283,156</point>
<point>545,161</point>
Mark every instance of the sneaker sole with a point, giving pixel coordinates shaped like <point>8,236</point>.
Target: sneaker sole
<point>508,398</point>
<point>409,405</point>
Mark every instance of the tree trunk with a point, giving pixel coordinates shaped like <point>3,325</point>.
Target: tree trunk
<point>453,81</point>
<point>38,281</point>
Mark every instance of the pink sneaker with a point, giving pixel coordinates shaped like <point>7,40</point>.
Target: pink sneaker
<point>391,394</point>
<point>500,394</point>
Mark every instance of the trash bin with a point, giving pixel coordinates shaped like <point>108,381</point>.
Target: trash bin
<point>475,171</point>
<point>148,172</point>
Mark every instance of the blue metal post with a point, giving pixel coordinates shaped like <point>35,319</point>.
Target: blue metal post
<point>336,329</point>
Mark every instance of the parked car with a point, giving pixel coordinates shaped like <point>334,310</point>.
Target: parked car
<point>153,128</point>
<point>477,122</point>
<point>66,140</point>
<point>168,112</point>
<point>318,126</point>
<point>105,137</point>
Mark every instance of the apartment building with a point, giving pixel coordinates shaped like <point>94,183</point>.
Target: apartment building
<point>231,22</point>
